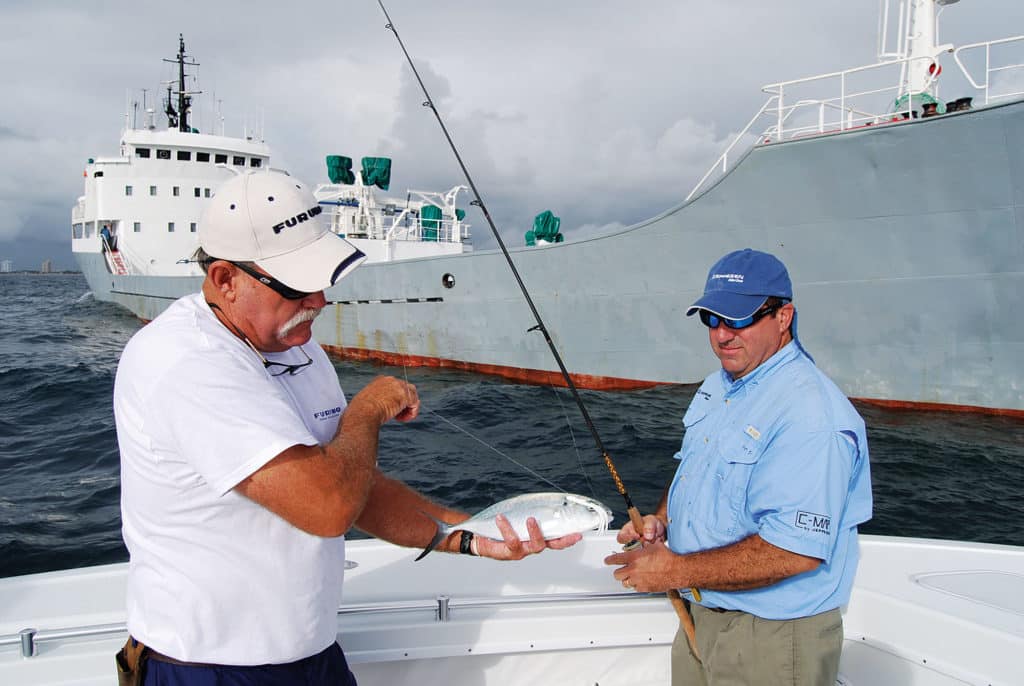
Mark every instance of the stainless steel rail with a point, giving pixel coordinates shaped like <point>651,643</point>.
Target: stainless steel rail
<point>29,638</point>
<point>441,605</point>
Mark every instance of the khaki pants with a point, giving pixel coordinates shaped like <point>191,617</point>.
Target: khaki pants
<point>739,649</point>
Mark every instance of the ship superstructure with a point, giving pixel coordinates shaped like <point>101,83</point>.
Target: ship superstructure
<point>139,213</point>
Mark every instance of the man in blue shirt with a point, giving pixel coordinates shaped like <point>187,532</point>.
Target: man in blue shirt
<point>758,529</point>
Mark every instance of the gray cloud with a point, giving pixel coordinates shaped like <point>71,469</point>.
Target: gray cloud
<point>604,112</point>
<point>7,133</point>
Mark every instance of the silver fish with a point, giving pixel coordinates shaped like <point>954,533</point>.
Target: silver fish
<point>558,514</point>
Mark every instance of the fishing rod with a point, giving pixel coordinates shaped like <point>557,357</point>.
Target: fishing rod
<point>634,514</point>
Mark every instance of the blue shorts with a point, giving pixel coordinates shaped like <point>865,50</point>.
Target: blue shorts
<point>326,668</point>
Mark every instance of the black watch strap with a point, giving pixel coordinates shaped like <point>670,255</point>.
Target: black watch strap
<point>466,543</point>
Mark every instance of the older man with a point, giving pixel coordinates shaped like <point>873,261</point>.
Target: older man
<point>761,517</point>
<point>242,464</point>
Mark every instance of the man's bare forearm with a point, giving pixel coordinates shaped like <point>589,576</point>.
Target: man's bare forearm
<point>744,565</point>
<point>396,513</point>
<point>741,566</point>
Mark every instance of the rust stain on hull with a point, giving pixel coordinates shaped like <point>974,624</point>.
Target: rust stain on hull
<point>605,383</point>
<point>530,376</point>
<point>942,407</point>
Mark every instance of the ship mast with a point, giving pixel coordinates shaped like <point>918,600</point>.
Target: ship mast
<point>916,36</point>
<point>179,118</point>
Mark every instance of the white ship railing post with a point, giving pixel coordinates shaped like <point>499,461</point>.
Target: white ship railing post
<point>988,69</point>
<point>778,126</point>
<point>842,104</point>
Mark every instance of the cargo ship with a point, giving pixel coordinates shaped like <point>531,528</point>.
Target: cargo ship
<point>899,213</point>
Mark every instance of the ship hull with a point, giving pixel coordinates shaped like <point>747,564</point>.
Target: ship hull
<point>904,243</point>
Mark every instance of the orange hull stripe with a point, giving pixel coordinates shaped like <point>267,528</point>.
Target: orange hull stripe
<point>604,383</point>
<point>529,376</point>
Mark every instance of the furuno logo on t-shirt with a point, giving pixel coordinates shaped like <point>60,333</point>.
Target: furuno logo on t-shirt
<point>327,414</point>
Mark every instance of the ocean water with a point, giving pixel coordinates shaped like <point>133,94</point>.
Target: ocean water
<point>478,440</point>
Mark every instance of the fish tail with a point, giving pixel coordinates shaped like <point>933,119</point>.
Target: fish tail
<point>443,529</point>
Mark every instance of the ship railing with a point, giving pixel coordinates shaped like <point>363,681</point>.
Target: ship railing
<point>374,219</point>
<point>132,262</point>
<point>1009,75</point>
<point>723,160</point>
<point>451,229</point>
<point>406,225</point>
<point>850,107</point>
<point>410,228</point>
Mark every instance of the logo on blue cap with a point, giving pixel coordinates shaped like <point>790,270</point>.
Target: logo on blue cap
<point>738,284</point>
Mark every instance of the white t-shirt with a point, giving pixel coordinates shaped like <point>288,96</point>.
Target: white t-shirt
<point>215,577</point>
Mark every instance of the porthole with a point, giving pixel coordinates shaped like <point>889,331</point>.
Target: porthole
<point>448,281</point>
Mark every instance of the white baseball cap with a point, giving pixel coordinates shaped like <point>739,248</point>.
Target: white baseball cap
<point>273,220</point>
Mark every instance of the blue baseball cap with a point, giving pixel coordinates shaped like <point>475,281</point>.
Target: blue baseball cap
<point>739,283</point>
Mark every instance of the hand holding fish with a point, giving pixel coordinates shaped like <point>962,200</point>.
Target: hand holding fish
<point>654,530</point>
<point>512,548</point>
<point>527,524</point>
<point>390,398</point>
<point>650,569</point>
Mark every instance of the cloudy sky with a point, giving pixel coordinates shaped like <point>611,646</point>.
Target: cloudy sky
<point>605,112</point>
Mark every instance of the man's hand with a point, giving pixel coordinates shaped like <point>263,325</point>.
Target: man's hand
<point>511,548</point>
<point>654,530</point>
<point>388,398</point>
<point>649,569</point>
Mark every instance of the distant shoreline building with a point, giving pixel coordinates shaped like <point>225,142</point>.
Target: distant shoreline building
<point>47,267</point>
<point>6,266</point>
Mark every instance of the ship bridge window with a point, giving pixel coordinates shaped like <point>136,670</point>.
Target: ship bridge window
<point>142,152</point>
<point>220,158</point>
<point>206,192</point>
<point>127,190</point>
<point>97,175</point>
<point>170,227</point>
<point>238,161</point>
<point>163,154</point>
<point>202,157</point>
<point>192,227</point>
<point>137,227</point>
<point>176,191</point>
<point>197,191</point>
<point>185,155</point>
<point>76,230</point>
<point>255,162</point>
<point>152,190</point>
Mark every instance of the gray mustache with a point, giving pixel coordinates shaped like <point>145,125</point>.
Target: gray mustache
<point>299,318</point>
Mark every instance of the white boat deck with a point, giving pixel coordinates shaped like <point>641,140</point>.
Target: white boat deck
<point>936,612</point>
<point>923,612</point>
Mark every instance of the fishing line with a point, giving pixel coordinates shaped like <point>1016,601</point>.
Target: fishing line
<point>405,373</point>
<point>634,514</point>
<point>491,447</point>
<point>575,445</point>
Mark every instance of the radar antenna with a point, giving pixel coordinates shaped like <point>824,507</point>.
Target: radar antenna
<point>178,119</point>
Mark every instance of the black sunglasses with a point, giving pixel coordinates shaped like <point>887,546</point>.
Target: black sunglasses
<point>290,369</point>
<point>271,283</point>
<point>712,320</point>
